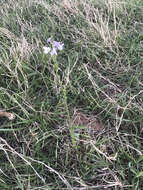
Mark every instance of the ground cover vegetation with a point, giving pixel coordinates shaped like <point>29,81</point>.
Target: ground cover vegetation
<point>78,109</point>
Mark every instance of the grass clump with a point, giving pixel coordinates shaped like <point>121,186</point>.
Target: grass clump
<point>78,114</point>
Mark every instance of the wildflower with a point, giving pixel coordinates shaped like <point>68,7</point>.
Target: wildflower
<point>58,45</point>
<point>53,52</point>
<point>48,40</point>
<point>46,49</point>
<point>54,47</point>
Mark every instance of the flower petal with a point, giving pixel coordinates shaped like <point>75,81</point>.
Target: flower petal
<point>53,52</point>
<point>48,40</point>
<point>58,45</point>
<point>46,49</point>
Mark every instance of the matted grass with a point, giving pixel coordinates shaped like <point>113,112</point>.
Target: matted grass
<point>78,116</point>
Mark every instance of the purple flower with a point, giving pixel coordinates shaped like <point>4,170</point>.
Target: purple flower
<point>48,40</point>
<point>53,52</point>
<point>58,45</point>
<point>54,45</point>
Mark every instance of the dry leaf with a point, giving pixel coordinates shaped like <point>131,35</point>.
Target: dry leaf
<point>9,115</point>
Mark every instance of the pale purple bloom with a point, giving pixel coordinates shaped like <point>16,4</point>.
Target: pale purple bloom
<point>46,49</point>
<point>48,40</point>
<point>58,45</point>
<point>55,46</point>
<point>53,52</point>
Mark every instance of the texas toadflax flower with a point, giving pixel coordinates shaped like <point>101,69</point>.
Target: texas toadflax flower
<point>53,52</point>
<point>58,45</point>
<point>46,49</point>
<point>48,40</point>
<point>54,47</point>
